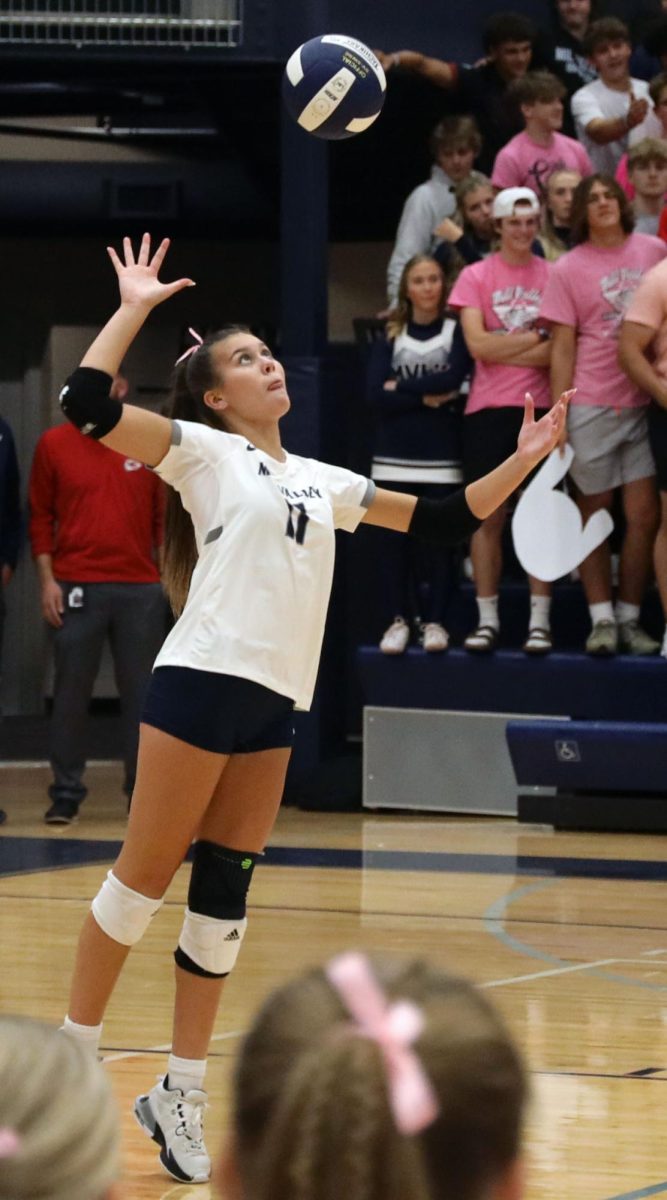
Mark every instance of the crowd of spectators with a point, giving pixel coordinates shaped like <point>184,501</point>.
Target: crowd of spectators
<point>546,209</point>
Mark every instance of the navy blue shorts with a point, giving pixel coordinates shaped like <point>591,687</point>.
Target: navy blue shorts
<point>222,713</point>
<point>489,437</point>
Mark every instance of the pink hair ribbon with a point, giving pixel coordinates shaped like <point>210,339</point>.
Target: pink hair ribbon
<point>395,1027</point>
<point>10,1143</point>
<point>191,349</point>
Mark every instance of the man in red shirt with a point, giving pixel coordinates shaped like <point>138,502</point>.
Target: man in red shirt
<point>96,523</point>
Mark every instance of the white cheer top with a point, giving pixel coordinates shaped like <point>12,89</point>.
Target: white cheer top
<point>265,536</point>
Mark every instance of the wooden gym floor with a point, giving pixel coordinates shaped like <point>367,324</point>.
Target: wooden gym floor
<point>568,932</point>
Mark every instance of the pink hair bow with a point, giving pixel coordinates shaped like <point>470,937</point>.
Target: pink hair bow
<point>191,349</point>
<point>9,1143</point>
<point>395,1027</point>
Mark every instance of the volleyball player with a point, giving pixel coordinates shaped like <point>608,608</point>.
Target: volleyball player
<point>217,727</point>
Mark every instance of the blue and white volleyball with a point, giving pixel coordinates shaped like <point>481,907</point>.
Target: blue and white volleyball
<point>334,86</point>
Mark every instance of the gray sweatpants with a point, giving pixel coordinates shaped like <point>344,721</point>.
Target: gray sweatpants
<point>133,617</point>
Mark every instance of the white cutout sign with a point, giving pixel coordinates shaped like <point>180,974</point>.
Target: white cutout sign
<point>550,539</point>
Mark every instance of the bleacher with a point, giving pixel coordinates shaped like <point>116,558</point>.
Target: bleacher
<point>567,774</point>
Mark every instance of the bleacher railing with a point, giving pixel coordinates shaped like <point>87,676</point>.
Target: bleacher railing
<point>128,23</point>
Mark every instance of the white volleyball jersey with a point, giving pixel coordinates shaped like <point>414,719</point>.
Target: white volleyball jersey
<point>265,536</point>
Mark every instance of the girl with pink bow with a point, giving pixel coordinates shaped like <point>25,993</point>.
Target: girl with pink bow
<point>372,1079</point>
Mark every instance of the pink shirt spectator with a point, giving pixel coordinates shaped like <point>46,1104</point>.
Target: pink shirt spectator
<point>524,163</point>
<point>649,307</point>
<point>509,299</point>
<point>591,288</point>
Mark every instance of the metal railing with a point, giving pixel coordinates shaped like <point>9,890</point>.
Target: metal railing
<point>128,23</point>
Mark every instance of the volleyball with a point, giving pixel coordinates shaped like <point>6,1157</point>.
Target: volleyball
<point>334,86</point>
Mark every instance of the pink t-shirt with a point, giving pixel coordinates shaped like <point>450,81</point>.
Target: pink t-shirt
<point>591,288</point>
<point>649,307</point>
<point>509,299</point>
<point>524,163</point>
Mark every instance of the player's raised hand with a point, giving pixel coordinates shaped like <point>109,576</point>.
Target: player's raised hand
<point>138,278</point>
<point>538,438</point>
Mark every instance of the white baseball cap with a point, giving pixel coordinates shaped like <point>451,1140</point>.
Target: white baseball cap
<point>503,205</point>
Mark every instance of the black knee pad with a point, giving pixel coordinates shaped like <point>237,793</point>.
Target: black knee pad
<point>219,881</point>
<point>215,920</point>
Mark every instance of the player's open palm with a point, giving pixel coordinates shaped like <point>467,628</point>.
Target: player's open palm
<point>138,277</point>
<point>538,438</point>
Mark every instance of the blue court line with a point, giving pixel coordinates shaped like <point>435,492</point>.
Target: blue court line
<point>496,913</point>
<point>656,1189</point>
<point>19,855</point>
<point>494,919</point>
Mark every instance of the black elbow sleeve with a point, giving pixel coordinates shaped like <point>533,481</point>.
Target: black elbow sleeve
<point>86,402</point>
<point>444,522</point>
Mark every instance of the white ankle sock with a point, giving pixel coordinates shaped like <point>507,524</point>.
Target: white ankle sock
<point>540,608</point>
<point>488,611</point>
<point>604,611</point>
<point>185,1073</point>
<point>626,612</point>
<point>89,1035</point>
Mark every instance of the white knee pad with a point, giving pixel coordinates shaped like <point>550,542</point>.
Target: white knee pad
<point>210,944</point>
<point>121,913</point>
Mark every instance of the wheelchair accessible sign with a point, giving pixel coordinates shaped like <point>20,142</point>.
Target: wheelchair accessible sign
<point>567,751</point>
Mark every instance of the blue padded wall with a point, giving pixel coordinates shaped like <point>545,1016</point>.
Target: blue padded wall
<point>563,684</point>
<point>589,755</point>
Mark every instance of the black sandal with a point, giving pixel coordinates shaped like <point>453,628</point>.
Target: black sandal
<point>482,640</point>
<point>538,641</point>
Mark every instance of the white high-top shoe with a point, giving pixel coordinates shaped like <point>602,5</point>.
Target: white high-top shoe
<point>173,1119</point>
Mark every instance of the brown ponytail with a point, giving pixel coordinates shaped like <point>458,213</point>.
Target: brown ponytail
<point>191,380</point>
<point>311,1109</point>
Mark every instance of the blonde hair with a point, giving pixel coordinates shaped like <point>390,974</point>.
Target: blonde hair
<point>312,1116</point>
<point>402,312</point>
<point>649,150</point>
<point>553,245</point>
<point>56,1098</point>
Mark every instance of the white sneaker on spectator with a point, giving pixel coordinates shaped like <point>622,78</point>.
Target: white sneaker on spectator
<point>173,1119</point>
<point>434,637</point>
<point>395,639</point>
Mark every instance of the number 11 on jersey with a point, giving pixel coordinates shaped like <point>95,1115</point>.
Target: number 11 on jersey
<point>296,528</point>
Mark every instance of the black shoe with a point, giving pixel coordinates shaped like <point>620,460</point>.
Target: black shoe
<point>62,812</point>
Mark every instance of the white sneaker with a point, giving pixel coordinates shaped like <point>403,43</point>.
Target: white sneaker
<point>395,639</point>
<point>663,648</point>
<point>435,638</point>
<point>173,1119</point>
